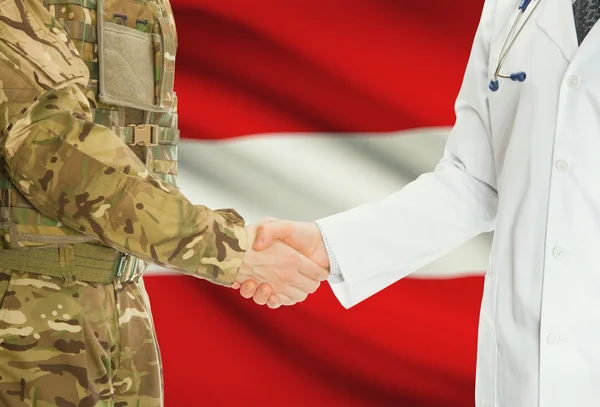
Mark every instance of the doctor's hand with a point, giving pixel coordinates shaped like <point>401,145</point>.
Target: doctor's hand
<point>290,275</point>
<point>304,237</point>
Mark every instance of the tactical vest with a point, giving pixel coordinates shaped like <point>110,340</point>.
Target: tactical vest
<point>129,47</point>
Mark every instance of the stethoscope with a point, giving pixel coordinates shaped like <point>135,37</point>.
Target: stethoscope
<point>506,46</point>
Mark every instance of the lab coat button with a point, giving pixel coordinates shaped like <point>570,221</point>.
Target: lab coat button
<point>562,165</point>
<point>572,81</point>
<point>553,339</point>
<point>559,252</point>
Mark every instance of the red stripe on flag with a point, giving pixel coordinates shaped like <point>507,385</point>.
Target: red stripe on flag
<point>411,345</point>
<point>247,67</point>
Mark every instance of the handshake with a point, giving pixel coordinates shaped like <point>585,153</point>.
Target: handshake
<point>284,262</point>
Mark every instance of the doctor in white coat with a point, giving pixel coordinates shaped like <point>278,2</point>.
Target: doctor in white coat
<point>523,160</point>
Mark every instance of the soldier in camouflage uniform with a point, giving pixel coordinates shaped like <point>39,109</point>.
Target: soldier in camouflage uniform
<point>88,197</point>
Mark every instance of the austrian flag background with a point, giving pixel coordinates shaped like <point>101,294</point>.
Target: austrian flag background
<point>299,109</point>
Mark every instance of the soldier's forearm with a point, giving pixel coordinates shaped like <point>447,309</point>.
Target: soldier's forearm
<point>106,192</point>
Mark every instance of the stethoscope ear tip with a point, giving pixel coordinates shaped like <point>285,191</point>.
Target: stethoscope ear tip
<point>518,76</point>
<point>494,85</point>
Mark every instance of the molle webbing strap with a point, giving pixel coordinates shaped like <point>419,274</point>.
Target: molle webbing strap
<point>93,68</point>
<point>163,119</point>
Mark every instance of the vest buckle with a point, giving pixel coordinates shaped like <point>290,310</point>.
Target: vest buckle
<point>126,267</point>
<point>144,134</point>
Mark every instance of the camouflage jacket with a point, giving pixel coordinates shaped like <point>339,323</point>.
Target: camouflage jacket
<point>84,175</point>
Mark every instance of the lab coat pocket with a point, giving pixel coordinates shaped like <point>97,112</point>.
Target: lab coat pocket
<point>485,392</point>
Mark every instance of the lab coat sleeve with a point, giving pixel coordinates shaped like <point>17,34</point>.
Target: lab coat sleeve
<point>379,243</point>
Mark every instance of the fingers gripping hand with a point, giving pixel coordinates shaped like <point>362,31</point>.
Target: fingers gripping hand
<point>291,275</point>
<point>305,237</point>
<point>263,294</point>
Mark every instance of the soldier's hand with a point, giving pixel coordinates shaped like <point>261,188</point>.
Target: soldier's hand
<point>304,237</point>
<point>287,275</point>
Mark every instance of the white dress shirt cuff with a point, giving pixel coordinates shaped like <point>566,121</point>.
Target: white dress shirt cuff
<point>335,273</point>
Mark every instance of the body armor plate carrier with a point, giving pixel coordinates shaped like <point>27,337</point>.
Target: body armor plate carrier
<point>129,47</point>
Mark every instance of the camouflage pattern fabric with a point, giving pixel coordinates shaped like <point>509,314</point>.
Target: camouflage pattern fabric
<point>76,346</point>
<point>69,178</point>
<point>80,173</point>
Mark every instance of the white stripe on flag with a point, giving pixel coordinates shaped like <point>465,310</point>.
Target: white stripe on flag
<point>308,176</point>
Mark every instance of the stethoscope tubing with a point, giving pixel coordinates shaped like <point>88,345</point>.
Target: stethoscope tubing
<point>507,45</point>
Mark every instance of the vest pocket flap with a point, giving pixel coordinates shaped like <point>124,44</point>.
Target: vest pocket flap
<point>126,58</point>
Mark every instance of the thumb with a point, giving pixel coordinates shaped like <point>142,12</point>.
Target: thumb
<point>267,232</point>
<point>264,238</point>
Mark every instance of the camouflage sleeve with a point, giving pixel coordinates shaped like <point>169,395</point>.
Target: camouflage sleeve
<point>82,174</point>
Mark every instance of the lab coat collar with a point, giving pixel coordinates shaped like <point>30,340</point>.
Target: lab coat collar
<point>556,20</point>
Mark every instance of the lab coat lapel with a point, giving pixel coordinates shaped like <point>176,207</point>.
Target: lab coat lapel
<point>555,18</point>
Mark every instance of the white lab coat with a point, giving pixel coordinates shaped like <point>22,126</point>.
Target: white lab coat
<point>524,161</point>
